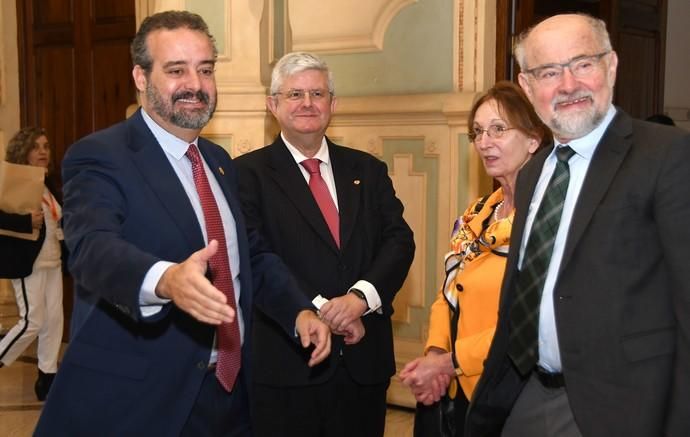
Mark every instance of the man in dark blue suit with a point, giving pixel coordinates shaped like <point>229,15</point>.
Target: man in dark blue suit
<point>143,361</point>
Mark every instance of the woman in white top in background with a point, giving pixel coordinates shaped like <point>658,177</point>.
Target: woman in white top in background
<point>34,267</point>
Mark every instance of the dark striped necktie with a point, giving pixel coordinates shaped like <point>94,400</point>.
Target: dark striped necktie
<point>524,311</point>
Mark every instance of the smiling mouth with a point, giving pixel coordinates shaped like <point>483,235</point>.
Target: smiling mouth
<point>190,98</point>
<point>568,103</point>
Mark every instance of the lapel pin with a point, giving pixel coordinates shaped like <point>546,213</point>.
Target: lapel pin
<point>356,182</point>
<point>220,169</point>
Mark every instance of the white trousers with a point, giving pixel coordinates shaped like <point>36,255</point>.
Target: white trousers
<point>39,301</point>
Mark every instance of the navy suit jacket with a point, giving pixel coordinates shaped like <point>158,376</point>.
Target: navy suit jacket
<point>125,209</point>
<point>376,245</point>
<point>622,296</point>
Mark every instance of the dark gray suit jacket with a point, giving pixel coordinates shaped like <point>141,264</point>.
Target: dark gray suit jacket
<point>376,245</point>
<point>622,297</point>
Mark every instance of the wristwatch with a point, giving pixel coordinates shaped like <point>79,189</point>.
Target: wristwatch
<point>359,294</point>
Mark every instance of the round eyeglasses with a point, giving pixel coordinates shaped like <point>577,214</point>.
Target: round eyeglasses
<point>493,131</point>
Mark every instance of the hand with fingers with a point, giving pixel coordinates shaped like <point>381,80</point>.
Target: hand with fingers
<point>353,332</point>
<point>187,286</point>
<point>340,312</point>
<point>428,376</point>
<point>311,330</point>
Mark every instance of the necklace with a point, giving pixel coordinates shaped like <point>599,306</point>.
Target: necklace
<point>497,209</point>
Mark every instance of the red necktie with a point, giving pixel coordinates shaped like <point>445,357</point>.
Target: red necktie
<point>323,197</point>
<point>228,334</point>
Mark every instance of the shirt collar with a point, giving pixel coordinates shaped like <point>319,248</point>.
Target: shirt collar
<point>322,155</point>
<point>585,146</point>
<point>171,144</point>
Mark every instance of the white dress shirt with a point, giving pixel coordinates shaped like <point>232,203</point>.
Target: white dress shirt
<point>175,149</point>
<point>549,353</point>
<point>366,287</point>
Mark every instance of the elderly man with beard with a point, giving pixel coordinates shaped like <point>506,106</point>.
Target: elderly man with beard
<point>593,336</point>
<point>158,243</point>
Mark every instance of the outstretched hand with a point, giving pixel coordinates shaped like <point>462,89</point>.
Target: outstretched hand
<point>311,330</point>
<point>187,286</point>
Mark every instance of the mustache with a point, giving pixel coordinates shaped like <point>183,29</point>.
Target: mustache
<point>563,98</point>
<point>199,95</point>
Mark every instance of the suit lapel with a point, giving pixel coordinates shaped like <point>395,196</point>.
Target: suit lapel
<point>289,179</point>
<point>156,171</point>
<point>348,185</point>
<point>606,161</point>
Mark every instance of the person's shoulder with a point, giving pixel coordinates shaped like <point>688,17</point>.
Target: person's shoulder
<point>257,157</point>
<point>663,133</point>
<point>355,156</point>
<point>104,141</point>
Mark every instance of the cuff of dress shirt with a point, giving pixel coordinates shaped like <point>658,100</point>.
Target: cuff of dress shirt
<point>372,296</point>
<point>148,299</point>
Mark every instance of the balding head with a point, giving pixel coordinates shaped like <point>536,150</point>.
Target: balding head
<point>568,71</point>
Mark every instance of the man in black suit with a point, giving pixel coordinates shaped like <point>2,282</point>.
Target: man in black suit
<point>331,214</point>
<point>603,346</point>
<point>159,247</point>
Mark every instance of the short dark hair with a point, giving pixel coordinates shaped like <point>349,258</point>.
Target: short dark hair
<point>169,20</point>
<point>514,106</point>
<point>22,143</point>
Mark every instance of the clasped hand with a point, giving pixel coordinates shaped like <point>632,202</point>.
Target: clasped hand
<point>343,315</point>
<point>429,376</point>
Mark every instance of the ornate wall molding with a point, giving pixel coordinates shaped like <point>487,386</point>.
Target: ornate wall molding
<point>338,27</point>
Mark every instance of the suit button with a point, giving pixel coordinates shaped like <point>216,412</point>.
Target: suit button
<point>201,365</point>
<point>459,287</point>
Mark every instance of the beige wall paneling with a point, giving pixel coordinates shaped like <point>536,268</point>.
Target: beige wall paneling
<point>9,124</point>
<point>9,74</point>
<point>476,29</point>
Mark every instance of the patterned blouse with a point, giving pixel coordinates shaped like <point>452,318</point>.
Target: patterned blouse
<point>473,274</point>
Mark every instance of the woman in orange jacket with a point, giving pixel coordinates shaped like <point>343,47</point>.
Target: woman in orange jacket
<point>505,132</point>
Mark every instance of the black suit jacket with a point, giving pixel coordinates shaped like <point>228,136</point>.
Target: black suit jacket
<point>376,245</point>
<point>17,255</point>
<point>622,297</point>
<point>125,209</point>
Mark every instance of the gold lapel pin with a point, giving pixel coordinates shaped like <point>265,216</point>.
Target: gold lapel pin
<point>356,182</point>
<point>220,169</point>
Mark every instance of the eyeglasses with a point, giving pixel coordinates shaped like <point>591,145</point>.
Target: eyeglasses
<point>580,67</point>
<point>493,131</point>
<point>298,95</point>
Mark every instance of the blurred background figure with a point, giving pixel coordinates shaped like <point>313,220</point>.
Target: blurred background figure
<point>34,266</point>
<point>505,132</point>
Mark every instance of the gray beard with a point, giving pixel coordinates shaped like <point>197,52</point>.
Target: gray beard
<point>576,125</point>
